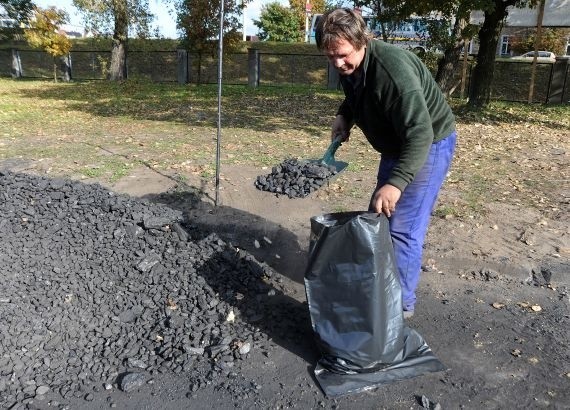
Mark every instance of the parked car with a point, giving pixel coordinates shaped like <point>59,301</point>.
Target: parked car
<point>546,56</point>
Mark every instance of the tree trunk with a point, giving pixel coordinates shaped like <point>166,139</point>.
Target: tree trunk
<point>54,70</point>
<point>118,69</point>
<point>446,66</point>
<point>480,92</point>
<point>464,67</point>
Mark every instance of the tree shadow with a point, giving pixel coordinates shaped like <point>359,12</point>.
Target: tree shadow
<point>242,229</point>
<point>504,115</point>
<point>262,109</point>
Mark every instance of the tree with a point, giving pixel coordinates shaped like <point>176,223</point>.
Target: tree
<point>43,33</point>
<point>18,10</point>
<point>118,17</point>
<point>552,39</point>
<point>451,33</point>
<point>300,7</point>
<point>384,14</point>
<point>495,14</point>
<point>278,23</point>
<point>446,29</point>
<point>199,21</point>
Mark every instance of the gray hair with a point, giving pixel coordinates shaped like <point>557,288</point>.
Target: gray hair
<point>342,24</point>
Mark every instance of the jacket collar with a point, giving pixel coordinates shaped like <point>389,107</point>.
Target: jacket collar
<point>365,62</point>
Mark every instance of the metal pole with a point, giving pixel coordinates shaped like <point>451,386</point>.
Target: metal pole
<point>219,135</point>
<point>537,41</point>
<point>244,38</point>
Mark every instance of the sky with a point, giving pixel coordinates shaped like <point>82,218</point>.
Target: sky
<point>164,21</point>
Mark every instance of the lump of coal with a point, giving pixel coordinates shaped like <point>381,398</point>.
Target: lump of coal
<point>295,178</point>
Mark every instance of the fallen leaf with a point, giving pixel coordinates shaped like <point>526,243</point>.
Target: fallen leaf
<point>536,308</point>
<point>498,305</point>
<point>171,304</point>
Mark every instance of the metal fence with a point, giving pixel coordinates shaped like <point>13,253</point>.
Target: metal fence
<point>511,79</point>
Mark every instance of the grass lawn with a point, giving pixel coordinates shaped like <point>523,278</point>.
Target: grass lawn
<point>104,130</point>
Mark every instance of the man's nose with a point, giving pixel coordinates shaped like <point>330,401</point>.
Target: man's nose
<point>338,62</point>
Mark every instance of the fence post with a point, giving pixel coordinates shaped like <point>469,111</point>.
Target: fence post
<point>333,78</point>
<point>182,64</point>
<point>190,72</point>
<point>253,67</point>
<point>66,67</point>
<point>17,71</point>
<point>557,84</point>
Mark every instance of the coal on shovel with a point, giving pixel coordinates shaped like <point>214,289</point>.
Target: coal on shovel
<point>298,178</point>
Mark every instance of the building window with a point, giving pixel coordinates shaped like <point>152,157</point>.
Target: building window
<point>505,46</point>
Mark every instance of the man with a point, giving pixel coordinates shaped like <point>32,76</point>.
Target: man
<point>392,97</point>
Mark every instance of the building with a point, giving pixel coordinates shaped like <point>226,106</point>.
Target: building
<point>522,20</point>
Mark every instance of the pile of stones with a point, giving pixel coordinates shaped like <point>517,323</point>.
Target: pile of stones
<point>103,289</point>
<point>295,179</point>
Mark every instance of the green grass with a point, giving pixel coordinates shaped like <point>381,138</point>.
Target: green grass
<point>104,130</point>
<point>446,211</point>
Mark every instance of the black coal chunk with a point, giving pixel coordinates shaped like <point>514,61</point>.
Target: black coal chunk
<point>295,178</point>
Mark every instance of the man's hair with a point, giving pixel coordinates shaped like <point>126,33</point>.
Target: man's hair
<point>342,24</point>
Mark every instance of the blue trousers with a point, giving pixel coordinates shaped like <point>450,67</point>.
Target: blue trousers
<point>410,219</point>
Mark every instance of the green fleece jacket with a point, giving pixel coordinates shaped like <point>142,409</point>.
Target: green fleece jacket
<point>398,106</point>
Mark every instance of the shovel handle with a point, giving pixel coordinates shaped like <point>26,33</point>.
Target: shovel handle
<point>328,158</point>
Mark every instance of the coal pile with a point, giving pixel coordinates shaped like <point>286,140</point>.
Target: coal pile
<point>295,178</point>
<point>100,289</point>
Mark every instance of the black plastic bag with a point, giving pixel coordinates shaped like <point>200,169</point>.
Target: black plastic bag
<point>355,303</point>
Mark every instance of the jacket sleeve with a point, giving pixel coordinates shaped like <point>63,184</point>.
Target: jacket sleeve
<point>410,115</point>
<point>345,111</point>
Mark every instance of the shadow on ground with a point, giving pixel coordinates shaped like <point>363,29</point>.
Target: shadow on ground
<point>242,229</point>
<point>282,318</point>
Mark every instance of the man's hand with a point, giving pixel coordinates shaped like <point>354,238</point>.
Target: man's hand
<point>385,199</point>
<point>340,128</point>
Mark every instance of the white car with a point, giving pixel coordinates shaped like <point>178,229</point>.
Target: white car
<point>545,56</point>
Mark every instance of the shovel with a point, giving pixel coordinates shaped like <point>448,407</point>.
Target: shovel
<point>328,158</point>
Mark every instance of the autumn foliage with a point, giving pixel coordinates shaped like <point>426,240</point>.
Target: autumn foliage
<point>44,33</point>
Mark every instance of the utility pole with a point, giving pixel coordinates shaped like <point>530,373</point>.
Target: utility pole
<point>537,41</point>
<point>308,8</point>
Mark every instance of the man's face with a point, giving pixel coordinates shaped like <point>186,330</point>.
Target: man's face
<point>344,57</point>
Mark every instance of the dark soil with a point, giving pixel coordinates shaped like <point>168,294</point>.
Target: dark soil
<point>108,300</point>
